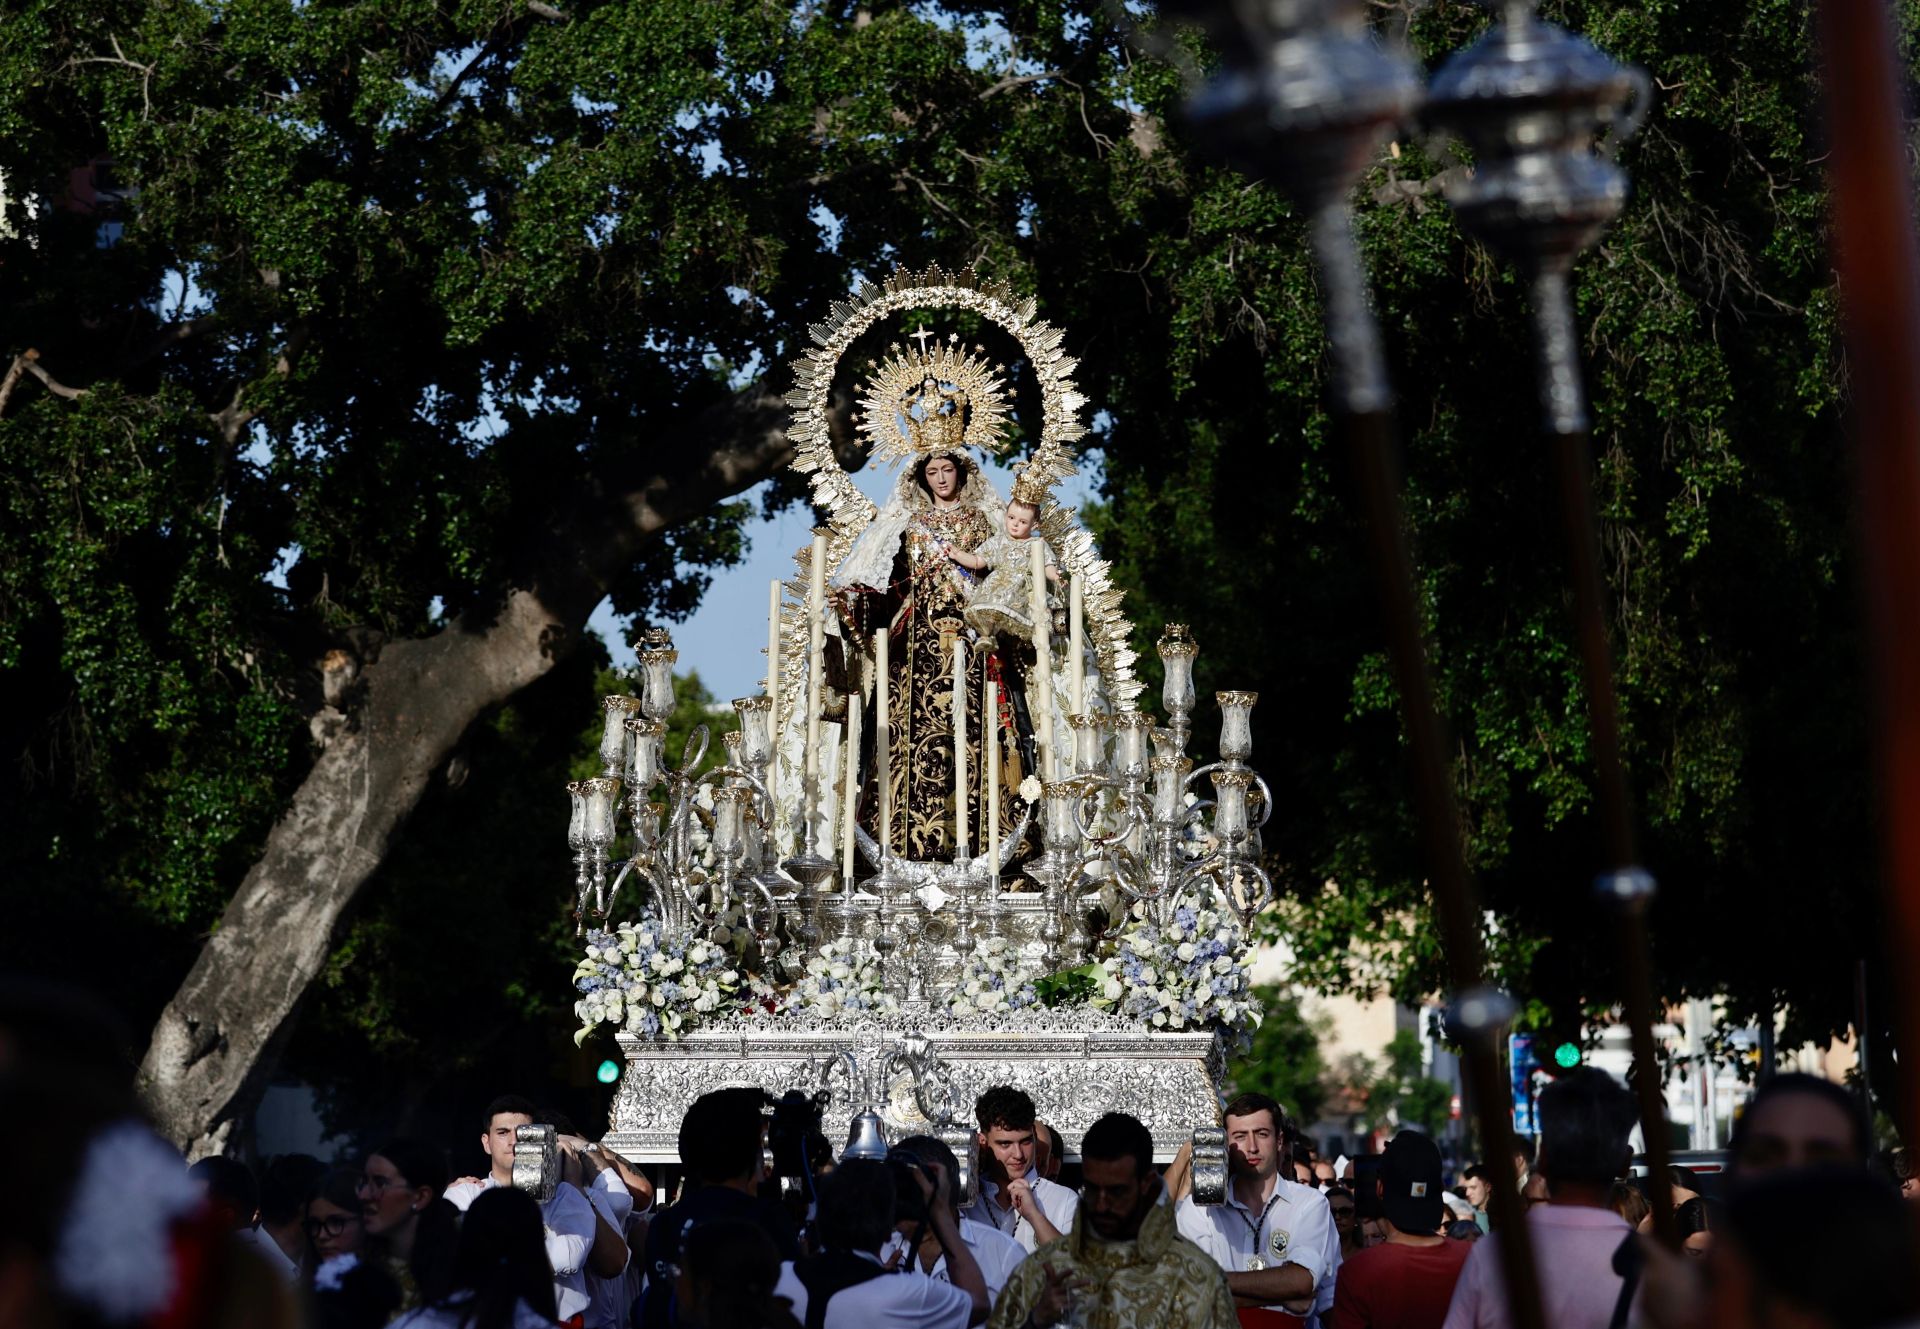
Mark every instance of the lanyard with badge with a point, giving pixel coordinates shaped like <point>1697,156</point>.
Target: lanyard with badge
<point>1278,1242</point>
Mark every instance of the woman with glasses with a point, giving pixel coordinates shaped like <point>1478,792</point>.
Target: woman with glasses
<point>332,1221</point>
<point>406,1222</point>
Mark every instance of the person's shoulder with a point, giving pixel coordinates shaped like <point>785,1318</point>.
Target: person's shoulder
<point>1052,1190</point>
<point>1182,1249</point>
<point>462,1193</point>
<point>1300,1197</point>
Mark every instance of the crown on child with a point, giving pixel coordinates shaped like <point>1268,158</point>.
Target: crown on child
<point>1031,490</point>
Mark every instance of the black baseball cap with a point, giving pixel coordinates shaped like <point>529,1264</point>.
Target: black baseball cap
<point>1410,1183</point>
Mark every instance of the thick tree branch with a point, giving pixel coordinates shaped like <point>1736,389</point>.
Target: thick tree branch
<point>28,362</point>
<point>209,1053</point>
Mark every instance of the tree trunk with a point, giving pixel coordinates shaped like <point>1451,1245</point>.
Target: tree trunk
<point>207,1060</point>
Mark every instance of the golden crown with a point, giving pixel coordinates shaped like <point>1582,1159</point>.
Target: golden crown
<point>923,399</point>
<point>1031,490</point>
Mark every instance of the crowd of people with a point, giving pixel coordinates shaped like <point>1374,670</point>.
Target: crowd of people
<point>1806,1232</point>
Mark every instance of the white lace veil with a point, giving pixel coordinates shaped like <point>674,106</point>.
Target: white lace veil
<point>870,562</point>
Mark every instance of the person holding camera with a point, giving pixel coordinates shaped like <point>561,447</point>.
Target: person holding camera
<point>1014,1198</point>
<point>849,1286</point>
<point>997,1254</point>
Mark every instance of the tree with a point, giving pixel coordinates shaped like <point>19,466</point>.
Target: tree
<point>1284,1061</point>
<point>1707,316</point>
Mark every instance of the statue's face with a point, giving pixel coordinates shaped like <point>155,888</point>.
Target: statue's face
<point>943,478</point>
<point>1019,521</point>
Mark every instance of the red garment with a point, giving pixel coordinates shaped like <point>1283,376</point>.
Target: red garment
<point>1391,1286</point>
<point>1262,1317</point>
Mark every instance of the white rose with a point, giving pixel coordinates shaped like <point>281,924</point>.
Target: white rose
<point>1160,1019</point>
<point>1222,963</point>
<point>1149,976</point>
<point>730,976</point>
<point>697,954</point>
<point>659,962</point>
<point>1113,989</point>
<point>674,967</point>
<point>1185,951</point>
<point>840,972</point>
<point>659,998</point>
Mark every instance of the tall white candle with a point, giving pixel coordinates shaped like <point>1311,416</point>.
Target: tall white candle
<point>850,787</point>
<point>773,687</point>
<point>816,667</point>
<point>883,736</point>
<point>1077,644</point>
<point>1042,661</point>
<point>990,741</point>
<point>960,743</point>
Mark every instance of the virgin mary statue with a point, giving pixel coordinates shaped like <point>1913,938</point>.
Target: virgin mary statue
<point>901,578</point>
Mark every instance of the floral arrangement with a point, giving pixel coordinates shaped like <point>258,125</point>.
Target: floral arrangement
<point>1189,976</point>
<point>998,976</point>
<point>642,978</point>
<point>843,978</point>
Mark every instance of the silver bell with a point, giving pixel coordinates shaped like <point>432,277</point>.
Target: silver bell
<point>866,1138</point>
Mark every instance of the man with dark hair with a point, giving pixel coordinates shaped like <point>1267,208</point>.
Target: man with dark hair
<point>1014,1198</point>
<point>1125,1257</point>
<point>1477,1187</point>
<point>1585,1118</point>
<point>1273,1237</point>
<point>1523,1156</point>
<point>1798,1120</point>
<point>1053,1156</point>
<point>232,1195</point>
<point>848,1286</point>
<point>285,1183</point>
<point>722,1137</point>
<point>1407,1281</point>
<point>570,1221</point>
<point>997,1254</point>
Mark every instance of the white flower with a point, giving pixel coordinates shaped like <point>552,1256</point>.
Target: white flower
<point>697,955</point>
<point>1184,950</point>
<point>839,972</point>
<point>1030,789</point>
<point>1159,1019</point>
<point>328,1276</point>
<point>1113,989</point>
<point>730,976</point>
<point>659,997</point>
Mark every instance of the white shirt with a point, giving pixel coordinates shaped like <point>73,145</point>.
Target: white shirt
<point>1057,1202</point>
<point>904,1299</point>
<point>997,1254</point>
<point>448,1316</point>
<point>610,1300</point>
<point>1297,1228</point>
<point>570,1228</point>
<point>262,1240</point>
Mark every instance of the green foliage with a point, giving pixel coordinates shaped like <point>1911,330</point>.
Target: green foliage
<point>1708,321</point>
<point>1069,987</point>
<point>1284,1060</point>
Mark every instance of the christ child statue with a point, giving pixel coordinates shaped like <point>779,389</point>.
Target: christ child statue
<point>1004,602</point>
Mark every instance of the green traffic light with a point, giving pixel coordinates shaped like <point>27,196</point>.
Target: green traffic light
<point>1567,1055</point>
<point>609,1071</point>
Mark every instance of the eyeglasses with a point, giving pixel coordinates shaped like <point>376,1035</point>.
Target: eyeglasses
<point>332,1225</point>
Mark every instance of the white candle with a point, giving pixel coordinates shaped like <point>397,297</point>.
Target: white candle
<point>850,787</point>
<point>960,744</point>
<point>883,737</point>
<point>1042,661</point>
<point>990,740</point>
<point>1077,644</point>
<point>773,686</point>
<point>816,667</point>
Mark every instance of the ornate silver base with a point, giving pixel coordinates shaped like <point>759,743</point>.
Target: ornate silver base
<point>1077,1064</point>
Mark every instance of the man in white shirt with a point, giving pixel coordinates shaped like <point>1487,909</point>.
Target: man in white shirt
<point>280,1236</point>
<point>1014,1198</point>
<point>997,1254</point>
<point>849,1286</point>
<point>570,1220</point>
<point>1274,1238</point>
<point>616,1190</point>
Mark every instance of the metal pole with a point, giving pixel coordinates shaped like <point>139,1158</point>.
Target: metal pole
<point>1874,250</point>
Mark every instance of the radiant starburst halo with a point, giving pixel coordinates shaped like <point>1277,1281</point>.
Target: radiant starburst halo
<point>920,400</point>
